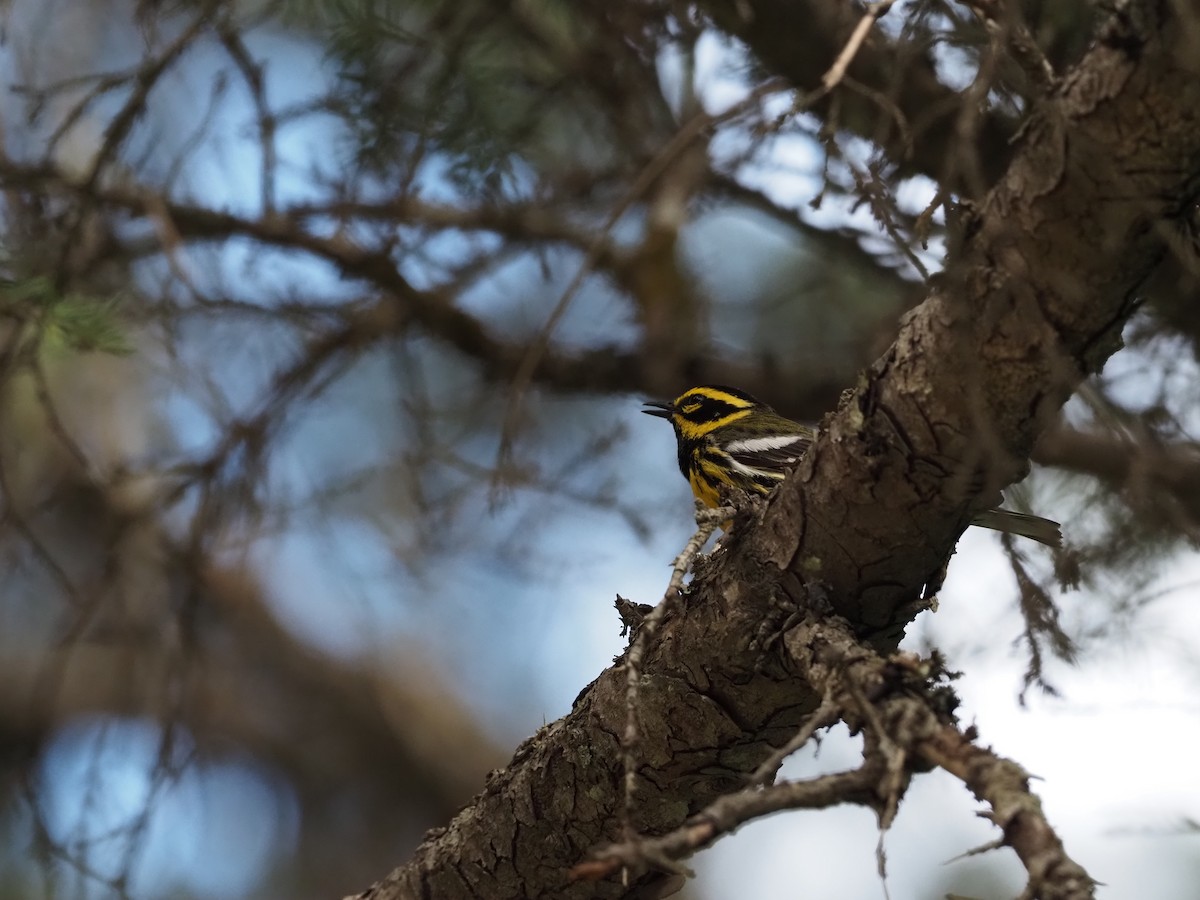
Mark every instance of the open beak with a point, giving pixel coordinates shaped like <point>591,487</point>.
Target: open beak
<point>660,409</point>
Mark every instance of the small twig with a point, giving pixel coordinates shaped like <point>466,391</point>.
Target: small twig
<point>837,71</point>
<point>827,650</point>
<point>1004,23</point>
<point>1016,810</point>
<point>997,844</point>
<point>924,221</point>
<point>826,714</point>
<point>875,193</point>
<point>254,75</point>
<point>836,74</point>
<point>725,814</point>
<point>1040,617</point>
<point>890,107</point>
<point>707,521</point>
<point>147,78</point>
<point>121,125</point>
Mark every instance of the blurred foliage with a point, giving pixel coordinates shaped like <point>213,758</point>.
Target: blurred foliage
<point>64,321</point>
<point>496,91</point>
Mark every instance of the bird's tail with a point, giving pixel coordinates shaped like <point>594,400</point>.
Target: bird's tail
<point>1034,527</point>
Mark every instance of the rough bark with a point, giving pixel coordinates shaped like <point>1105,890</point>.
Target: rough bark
<point>1036,297</point>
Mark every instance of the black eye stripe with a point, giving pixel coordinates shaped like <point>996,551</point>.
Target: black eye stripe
<point>706,409</point>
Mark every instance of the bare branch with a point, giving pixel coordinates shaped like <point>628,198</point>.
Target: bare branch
<point>828,651</point>
<point>724,815</point>
<point>875,11</point>
<point>1004,20</point>
<point>252,74</point>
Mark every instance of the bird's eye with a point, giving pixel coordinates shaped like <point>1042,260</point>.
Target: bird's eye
<point>689,408</point>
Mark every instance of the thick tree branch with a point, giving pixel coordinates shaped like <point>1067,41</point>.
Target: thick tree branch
<point>1036,297</point>
<point>915,724</point>
<point>890,699</point>
<point>1120,460</point>
<point>1035,300</point>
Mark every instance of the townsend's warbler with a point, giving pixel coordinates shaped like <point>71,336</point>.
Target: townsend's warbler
<point>726,438</point>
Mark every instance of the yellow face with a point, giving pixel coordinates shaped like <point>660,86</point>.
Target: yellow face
<point>704,409</point>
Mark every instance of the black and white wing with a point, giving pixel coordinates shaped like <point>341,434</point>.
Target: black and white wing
<point>773,454</point>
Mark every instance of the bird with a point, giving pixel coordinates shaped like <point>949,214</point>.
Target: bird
<point>728,439</point>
